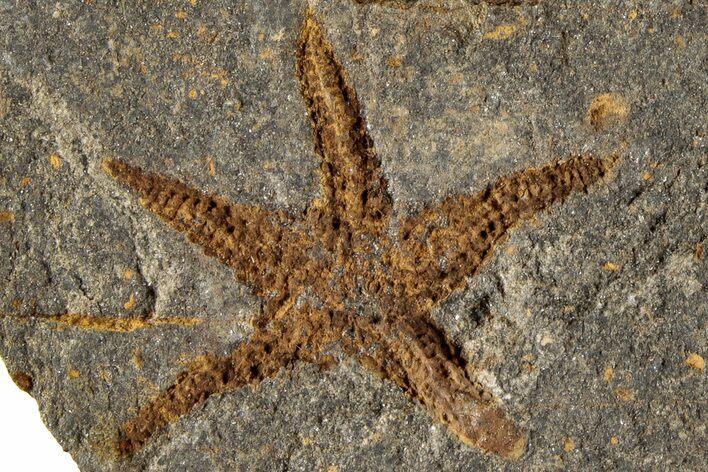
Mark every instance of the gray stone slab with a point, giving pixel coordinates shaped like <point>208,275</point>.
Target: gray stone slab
<point>581,325</point>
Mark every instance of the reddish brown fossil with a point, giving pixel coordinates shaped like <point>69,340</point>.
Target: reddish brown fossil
<point>333,278</point>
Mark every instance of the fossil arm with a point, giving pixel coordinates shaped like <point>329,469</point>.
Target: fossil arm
<point>353,188</point>
<point>407,348</point>
<point>447,243</point>
<point>294,334</point>
<point>261,246</point>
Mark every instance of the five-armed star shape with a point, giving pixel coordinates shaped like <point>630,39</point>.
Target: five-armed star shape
<point>335,281</point>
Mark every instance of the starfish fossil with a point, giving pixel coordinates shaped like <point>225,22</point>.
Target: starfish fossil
<point>333,278</point>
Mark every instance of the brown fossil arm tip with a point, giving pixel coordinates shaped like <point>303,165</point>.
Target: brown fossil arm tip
<point>294,334</point>
<point>447,243</point>
<point>354,189</point>
<point>258,244</point>
<point>202,379</point>
<point>488,427</point>
<point>414,353</point>
<point>207,376</point>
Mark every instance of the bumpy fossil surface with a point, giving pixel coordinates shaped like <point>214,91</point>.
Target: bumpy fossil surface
<point>357,235</point>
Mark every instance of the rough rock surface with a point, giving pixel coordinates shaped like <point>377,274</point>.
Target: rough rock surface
<point>588,325</point>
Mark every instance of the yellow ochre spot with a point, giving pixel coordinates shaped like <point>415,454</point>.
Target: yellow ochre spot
<point>355,57</point>
<point>138,358</point>
<point>609,374</point>
<point>7,217</point>
<point>128,274</point>
<point>172,35</point>
<point>211,166</point>
<point>607,110</point>
<point>695,361</point>
<point>624,394</point>
<point>676,13</point>
<point>105,376</point>
<point>614,440</point>
<point>632,14</point>
<point>680,41</point>
<point>501,32</point>
<point>394,61</point>
<point>193,3</point>
<point>181,15</point>
<point>267,54</point>
<point>192,93</point>
<point>611,267</point>
<point>568,445</point>
<point>130,304</point>
<point>25,182</point>
<point>647,176</point>
<point>55,160</point>
<point>74,374</point>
